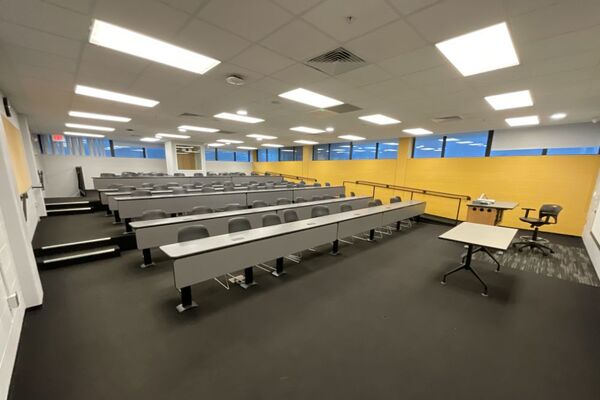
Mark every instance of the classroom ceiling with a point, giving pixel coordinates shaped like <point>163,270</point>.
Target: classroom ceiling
<point>44,53</point>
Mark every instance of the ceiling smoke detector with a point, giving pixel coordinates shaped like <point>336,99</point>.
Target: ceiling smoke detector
<point>235,80</point>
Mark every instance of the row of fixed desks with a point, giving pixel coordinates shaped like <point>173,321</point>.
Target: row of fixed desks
<point>155,233</point>
<point>106,182</point>
<point>210,258</point>
<point>130,207</point>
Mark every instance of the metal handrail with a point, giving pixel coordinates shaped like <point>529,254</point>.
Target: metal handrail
<point>299,178</point>
<point>412,191</point>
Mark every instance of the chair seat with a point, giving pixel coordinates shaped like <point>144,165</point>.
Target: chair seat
<point>532,221</point>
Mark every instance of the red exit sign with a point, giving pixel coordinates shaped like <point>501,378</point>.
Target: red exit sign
<point>58,138</point>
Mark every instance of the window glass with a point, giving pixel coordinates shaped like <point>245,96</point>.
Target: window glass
<point>286,154</point>
<point>321,152</point>
<point>364,150</point>
<point>387,149</point>
<point>573,151</point>
<point>123,149</point>
<point>298,153</point>
<point>155,152</point>
<point>262,155</point>
<point>210,154</point>
<point>466,145</point>
<point>107,148</point>
<point>225,155</point>
<point>516,152</point>
<point>242,156</point>
<point>273,154</point>
<point>428,147</point>
<point>339,151</point>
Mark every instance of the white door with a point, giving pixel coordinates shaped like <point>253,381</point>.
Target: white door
<point>11,314</point>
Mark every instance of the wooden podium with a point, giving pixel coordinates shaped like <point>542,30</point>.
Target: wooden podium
<point>490,214</point>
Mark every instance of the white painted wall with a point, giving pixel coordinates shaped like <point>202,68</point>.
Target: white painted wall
<point>228,166</point>
<point>593,247</point>
<point>60,179</point>
<point>552,136</point>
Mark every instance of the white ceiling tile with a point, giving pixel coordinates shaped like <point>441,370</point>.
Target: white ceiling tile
<point>297,6</point>
<point>45,74</point>
<point>269,85</point>
<point>330,17</point>
<point>436,75</point>
<point>116,61</point>
<point>364,76</point>
<point>386,42</point>
<point>516,7</point>
<point>188,6</point>
<point>386,88</point>
<point>37,40</point>
<point>418,60</point>
<point>287,41</point>
<point>223,70</point>
<point>52,62</point>
<point>80,6</point>
<point>410,6</point>
<point>259,59</point>
<point>451,18</point>
<point>250,19</point>
<point>158,80</point>
<point>563,64</point>
<point>209,40</point>
<point>148,17</point>
<point>299,75</point>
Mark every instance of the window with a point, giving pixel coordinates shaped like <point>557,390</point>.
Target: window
<point>364,150</point>
<point>210,154</point>
<point>155,152</point>
<point>339,151</point>
<point>516,152</point>
<point>321,152</point>
<point>286,154</point>
<point>466,145</point>
<point>129,150</point>
<point>428,147</point>
<point>273,154</point>
<point>242,156</point>
<point>298,153</point>
<point>574,151</point>
<point>225,155</point>
<point>262,155</point>
<point>387,150</point>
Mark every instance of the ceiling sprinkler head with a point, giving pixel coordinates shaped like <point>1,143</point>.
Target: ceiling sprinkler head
<point>236,80</point>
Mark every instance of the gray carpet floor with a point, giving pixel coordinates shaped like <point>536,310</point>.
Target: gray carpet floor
<point>371,323</point>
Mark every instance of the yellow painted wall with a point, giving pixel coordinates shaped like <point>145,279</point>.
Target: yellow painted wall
<point>531,181</point>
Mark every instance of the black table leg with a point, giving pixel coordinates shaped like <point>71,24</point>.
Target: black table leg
<point>117,217</point>
<point>186,299</point>
<point>397,225</point>
<point>248,278</point>
<point>147,258</point>
<point>278,267</point>
<point>335,247</point>
<point>486,251</point>
<point>127,226</point>
<point>467,266</point>
<point>372,235</point>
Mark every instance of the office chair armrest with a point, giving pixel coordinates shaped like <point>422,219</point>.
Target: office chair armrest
<point>527,210</point>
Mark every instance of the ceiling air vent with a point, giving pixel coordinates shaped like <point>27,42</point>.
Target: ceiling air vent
<point>336,61</point>
<point>450,118</point>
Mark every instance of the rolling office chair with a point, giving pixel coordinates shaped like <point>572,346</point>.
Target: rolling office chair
<point>290,216</point>
<point>547,215</point>
<point>270,220</point>
<point>316,184</point>
<point>141,193</point>
<point>327,184</point>
<point>395,199</point>
<point>240,224</point>
<point>342,195</point>
<point>319,211</point>
<point>153,214</point>
<point>352,194</point>
<point>282,201</point>
<point>234,207</point>
<point>345,207</point>
<point>198,174</point>
<point>197,210</point>
<point>259,203</point>
<point>300,200</point>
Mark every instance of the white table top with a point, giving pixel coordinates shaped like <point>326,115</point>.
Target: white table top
<point>185,249</point>
<point>504,205</point>
<point>494,237</point>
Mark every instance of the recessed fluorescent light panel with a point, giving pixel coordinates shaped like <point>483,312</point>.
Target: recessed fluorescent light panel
<point>271,145</point>
<point>229,141</point>
<point>379,119</point>
<point>241,112</point>
<point>185,128</point>
<point>215,144</point>
<point>114,96</point>
<point>246,148</point>
<point>417,131</point>
<point>311,98</point>
<point>103,117</point>
<point>523,121</point>
<point>506,101</point>
<point>258,136</point>
<point>96,135</point>
<point>558,116</point>
<point>306,129</point>
<point>305,142</point>
<point>330,129</point>
<point>90,127</point>
<point>351,137</point>
<point>130,42</point>
<point>484,50</point>
<point>149,139</point>
<point>172,136</point>
<point>239,118</point>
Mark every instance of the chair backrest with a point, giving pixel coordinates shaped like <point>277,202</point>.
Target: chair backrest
<point>327,184</point>
<point>271,219</point>
<point>300,200</point>
<point>178,174</point>
<point>317,184</point>
<point>198,174</point>
<point>290,216</point>
<point>319,211</point>
<point>103,174</point>
<point>201,210</point>
<point>161,187</point>
<point>550,212</point>
<point>233,207</point>
<point>238,224</point>
<point>352,194</point>
<point>378,202</point>
<point>147,184</point>
<point>178,190</point>
<point>207,189</point>
<point>395,199</point>
<point>259,203</point>
<point>153,214</point>
<point>345,207</point>
<point>192,233</point>
<point>342,195</point>
<point>282,201</point>
<point>126,188</point>
<point>316,198</point>
<point>141,193</point>
<point>372,203</point>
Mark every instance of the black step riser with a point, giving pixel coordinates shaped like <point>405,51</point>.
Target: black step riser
<point>79,260</point>
<point>54,214</point>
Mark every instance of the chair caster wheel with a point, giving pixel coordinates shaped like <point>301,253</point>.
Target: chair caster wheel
<point>443,282</point>
<point>484,294</point>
